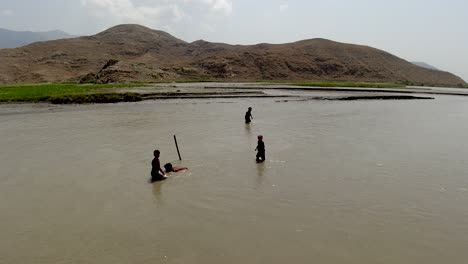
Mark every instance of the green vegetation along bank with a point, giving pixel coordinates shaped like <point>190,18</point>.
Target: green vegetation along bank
<point>67,93</point>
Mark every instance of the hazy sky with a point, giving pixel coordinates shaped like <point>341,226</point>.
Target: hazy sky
<point>432,31</point>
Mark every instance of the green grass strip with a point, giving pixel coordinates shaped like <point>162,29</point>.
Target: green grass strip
<point>44,92</point>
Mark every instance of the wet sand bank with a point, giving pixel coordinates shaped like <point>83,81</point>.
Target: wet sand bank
<point>246,90</point>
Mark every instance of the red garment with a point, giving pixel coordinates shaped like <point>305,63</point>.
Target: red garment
<point>179,168</point>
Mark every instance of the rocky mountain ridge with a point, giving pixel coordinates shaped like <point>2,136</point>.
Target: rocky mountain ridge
<point>140,54</point>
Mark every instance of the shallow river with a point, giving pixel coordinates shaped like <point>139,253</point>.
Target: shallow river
<point>344,182</point>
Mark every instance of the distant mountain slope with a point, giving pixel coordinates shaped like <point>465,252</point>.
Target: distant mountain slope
<point>14,39</point>
<point>142,54</point>
<point>425,65</point>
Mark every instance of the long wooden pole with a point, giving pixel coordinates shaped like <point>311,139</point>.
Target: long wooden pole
<point>177,146</point>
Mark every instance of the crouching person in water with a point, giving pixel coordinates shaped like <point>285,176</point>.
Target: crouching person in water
<point>260,149</point>
<point>169,168</point>
<point>157,174</point>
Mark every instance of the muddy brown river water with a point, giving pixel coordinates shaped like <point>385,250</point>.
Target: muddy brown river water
<point>344,182</point>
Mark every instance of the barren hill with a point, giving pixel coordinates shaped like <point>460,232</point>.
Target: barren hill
<point>136,53</point>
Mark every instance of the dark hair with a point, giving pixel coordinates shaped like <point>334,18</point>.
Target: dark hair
<point>156,153</point>
<point>168,167</point>
<point>250,108</point>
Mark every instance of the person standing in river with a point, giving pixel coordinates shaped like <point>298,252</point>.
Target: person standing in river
<point>157,174</point>
<point>260,149</point>
<point>248,116</point>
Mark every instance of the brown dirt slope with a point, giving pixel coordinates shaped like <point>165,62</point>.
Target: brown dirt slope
<point>141,54</point>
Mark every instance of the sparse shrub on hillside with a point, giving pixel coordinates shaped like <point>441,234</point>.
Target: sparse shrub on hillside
<point>88,78</point>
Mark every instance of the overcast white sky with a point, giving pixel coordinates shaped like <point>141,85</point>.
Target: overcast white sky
<point>432,31</point>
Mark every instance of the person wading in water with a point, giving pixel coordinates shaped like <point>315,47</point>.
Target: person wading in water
<point>248,116</point>
<point>157,174</point>
<point>260,149</point>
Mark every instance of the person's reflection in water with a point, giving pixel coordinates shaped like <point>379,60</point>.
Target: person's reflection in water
<point>260,169</point>
<point>247,128</point>
<point>260,172</point>
<point>157,192</point>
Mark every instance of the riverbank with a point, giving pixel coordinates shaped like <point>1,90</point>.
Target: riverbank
<point>134,92</point>
<point>110,93</point>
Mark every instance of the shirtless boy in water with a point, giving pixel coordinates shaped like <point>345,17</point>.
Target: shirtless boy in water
<point>157,174</point>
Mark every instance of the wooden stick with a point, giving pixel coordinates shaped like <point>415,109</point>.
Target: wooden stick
<point>177,146</point>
